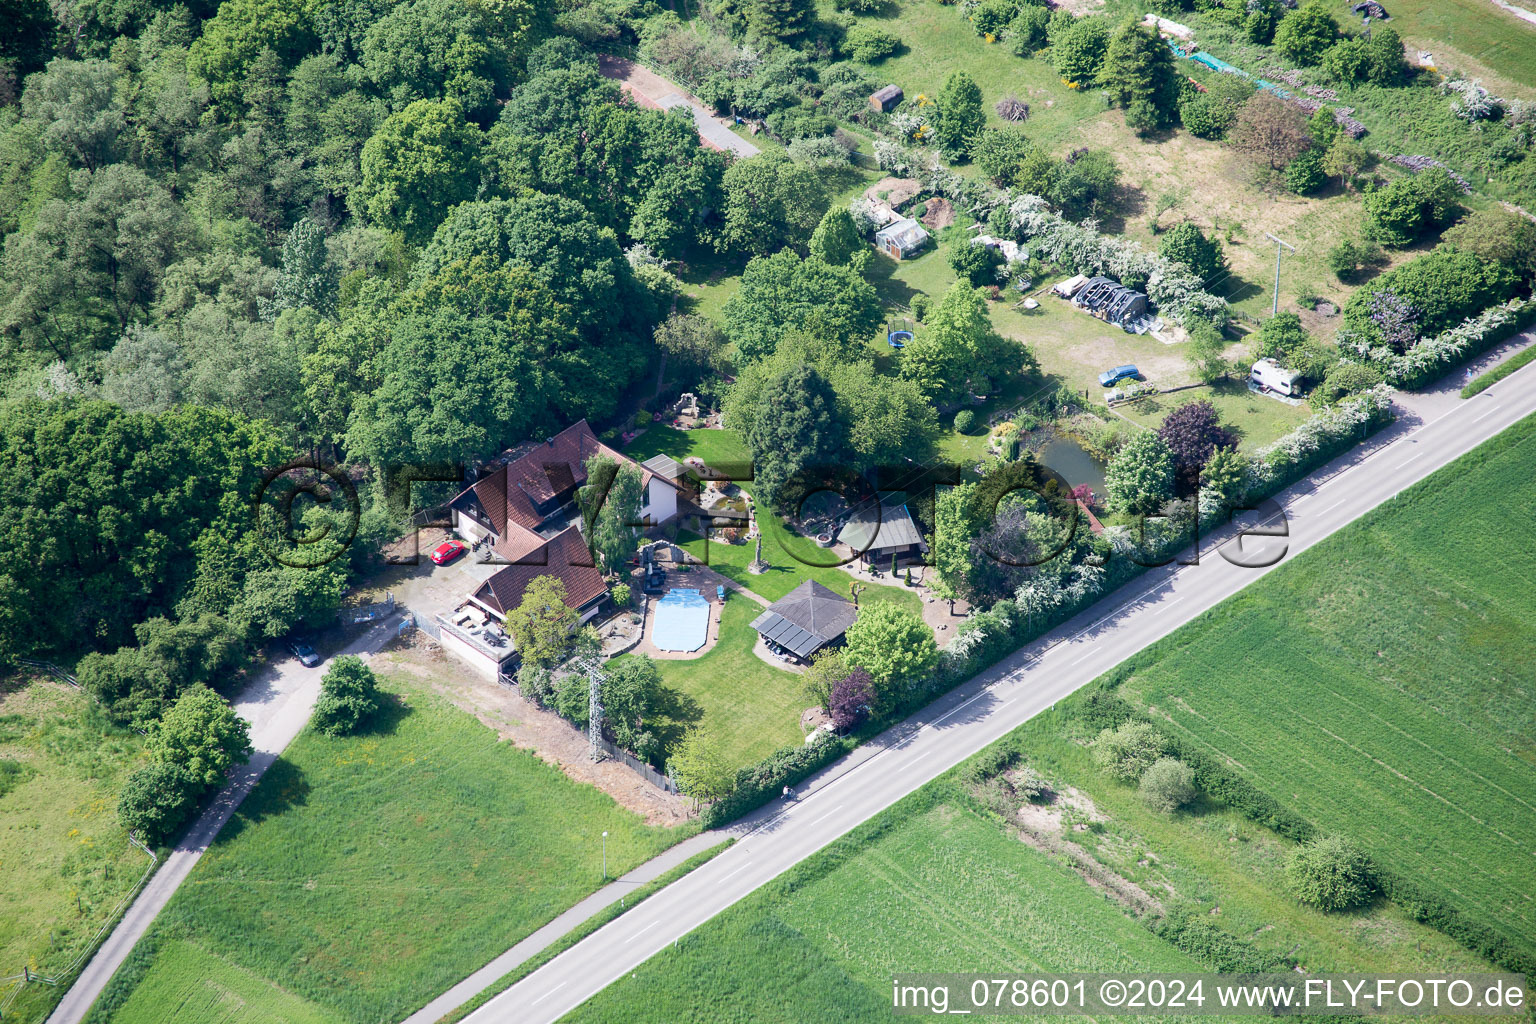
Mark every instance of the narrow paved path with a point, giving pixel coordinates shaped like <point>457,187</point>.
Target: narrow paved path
<point>277,704</point>
<point>1434,428</point>
<point>540,940</point>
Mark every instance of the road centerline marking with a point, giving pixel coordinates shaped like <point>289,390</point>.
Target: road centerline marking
<point>546,995</point>
<point>639,933</point>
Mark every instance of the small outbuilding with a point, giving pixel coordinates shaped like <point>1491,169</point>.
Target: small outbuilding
<point>885,532</point>
<point>885,98</point>
<point>1071,286</point>
<point>805,620</point>
<point>901,238</point>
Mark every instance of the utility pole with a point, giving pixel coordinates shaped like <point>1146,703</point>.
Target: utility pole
<point>594,673</point>
<point>1280,247</point>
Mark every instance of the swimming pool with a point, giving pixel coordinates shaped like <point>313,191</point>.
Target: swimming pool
<point>682,621</point>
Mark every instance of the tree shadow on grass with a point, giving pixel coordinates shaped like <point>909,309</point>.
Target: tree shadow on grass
<point>676,713</point>
<point>386,720</point>
<point>283,788</point>
<point>881,276</point>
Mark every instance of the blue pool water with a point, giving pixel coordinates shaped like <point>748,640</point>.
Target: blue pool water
<point>682,621</point>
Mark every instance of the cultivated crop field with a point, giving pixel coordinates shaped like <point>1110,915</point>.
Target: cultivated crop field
<point>1386,688</point>
<point>1210,862</point>
<point>929,886</point>
<point>367,874</point>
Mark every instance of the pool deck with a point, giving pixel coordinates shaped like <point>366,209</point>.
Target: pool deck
<point>700,579</point>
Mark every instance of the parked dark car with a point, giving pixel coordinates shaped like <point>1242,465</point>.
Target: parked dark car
<point>304,652</point>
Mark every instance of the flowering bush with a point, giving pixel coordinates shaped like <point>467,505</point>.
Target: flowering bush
<point>1433,356</point>
<point>1318,439</point>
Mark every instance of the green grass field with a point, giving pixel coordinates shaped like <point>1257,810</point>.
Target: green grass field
<point>65,862</point>
<point>752,707</point>
<point>367,874</point>
<point>1386,684</point>
<point>189,985</point>
<point>929,886</point>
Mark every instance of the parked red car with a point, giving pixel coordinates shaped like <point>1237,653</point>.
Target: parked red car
<point>447,551</point>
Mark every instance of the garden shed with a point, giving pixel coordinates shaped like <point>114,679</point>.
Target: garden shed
<point>885,532</point>
<point>805,620</point>
<point>885,98</point>
<point>901,238</point>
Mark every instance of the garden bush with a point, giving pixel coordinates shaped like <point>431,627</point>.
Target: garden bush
<point>990,763</point>
<point>965,421</point>
<point>1128,751</point>
<point>1330,873</point>
<point>349,694</point>
<point>1167,785</point>
<point>871,44</point>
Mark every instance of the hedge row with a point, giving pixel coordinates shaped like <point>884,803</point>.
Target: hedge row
<point>757,784</point>
<point>1498,373</point>
<point>1433,357</point>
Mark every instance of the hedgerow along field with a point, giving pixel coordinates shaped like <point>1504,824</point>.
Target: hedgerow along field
<point>930,885</point>
<point>65,862</point>
<point>1382,684</point>
<point>367,874</point>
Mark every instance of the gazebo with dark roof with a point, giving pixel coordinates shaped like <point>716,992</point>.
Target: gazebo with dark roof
<point>805,620</point>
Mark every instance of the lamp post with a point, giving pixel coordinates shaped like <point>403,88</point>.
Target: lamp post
<point>605,856</point>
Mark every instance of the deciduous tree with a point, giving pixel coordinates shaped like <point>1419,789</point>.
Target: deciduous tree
<point>1185,243</point>
<point>894,646</point>
<point>1140,476</point>
<point>157,800</point>
<point>349,695</point>
<point>1306,33</point>
<point>541,625</point>
<point>1271,129</point>
<point>1192,432</point>
<point>421,162</point>
<point>202,734</point>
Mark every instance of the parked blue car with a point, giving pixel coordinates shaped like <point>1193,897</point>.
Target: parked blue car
<point>1109,378</point>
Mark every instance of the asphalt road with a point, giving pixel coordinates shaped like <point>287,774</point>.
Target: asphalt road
<point>277,704</point>
<point>1433,430</point>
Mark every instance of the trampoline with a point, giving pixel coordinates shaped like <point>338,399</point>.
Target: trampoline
<point>682,621</point>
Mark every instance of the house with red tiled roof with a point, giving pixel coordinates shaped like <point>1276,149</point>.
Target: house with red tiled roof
<point>523,507</point>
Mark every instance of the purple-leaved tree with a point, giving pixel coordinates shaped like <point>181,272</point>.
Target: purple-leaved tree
<point>1192,432</point>
<point>852,697</point>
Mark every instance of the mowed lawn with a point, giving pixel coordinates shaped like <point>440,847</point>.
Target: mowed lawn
<point>65,862</point>
<point>1383,686</point>
<point>938,889</point>
<point>367,874</point>
<point>750,706</point>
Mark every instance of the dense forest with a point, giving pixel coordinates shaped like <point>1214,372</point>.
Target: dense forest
<point>375,233</point>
